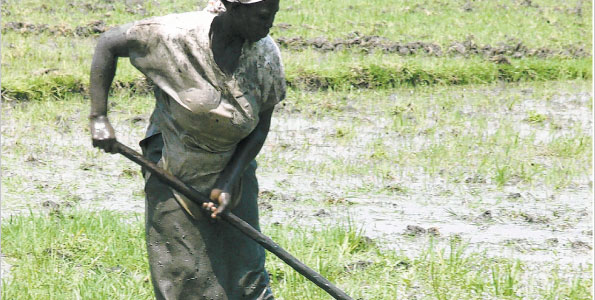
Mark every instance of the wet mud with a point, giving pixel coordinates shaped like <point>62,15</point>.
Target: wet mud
<point>536,224</point>
<point>499,53</point>
<point>92,28</point>
<point>512,48</point>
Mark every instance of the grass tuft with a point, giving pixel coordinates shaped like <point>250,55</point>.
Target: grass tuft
<point>101,255</point>
<point>77,255</point>
<point>49,87</point>
<point>434,71</point>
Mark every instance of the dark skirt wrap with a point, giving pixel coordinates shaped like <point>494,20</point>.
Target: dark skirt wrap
<point>197,258</point>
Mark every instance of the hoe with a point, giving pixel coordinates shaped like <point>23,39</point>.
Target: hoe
<point>235,221</point>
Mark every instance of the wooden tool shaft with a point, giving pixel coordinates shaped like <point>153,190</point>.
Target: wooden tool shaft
<point>235,221</point>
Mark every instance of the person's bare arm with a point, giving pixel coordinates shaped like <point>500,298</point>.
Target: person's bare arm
<point>110,46</point>
<point>246,151</point>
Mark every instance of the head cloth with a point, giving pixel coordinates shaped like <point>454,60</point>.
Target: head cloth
<point>216,6</point>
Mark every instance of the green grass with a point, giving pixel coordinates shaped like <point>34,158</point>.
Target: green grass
<point>489,22</point>
<point>75,256</point>
<point>38,66</point>
<point>32,72</point>
<point>545,23</point>
<point>346,70</point>
<point>42,67</point>
<point>101,255</point>
<point>77,13</point>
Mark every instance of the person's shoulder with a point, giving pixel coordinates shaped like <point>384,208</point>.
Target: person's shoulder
<point>268,44</point>
<point>268,49</point>
<point>188,27</point>
<point>272,70</point>
<point>268,55</point>
<point>184,21</point>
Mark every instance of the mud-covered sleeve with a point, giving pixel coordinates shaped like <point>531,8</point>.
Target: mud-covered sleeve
<point>143,39</point>
<point>274,75</point>
<point>155,53</point>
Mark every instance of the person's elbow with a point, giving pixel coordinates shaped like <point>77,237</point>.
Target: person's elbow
<point>113,43</point>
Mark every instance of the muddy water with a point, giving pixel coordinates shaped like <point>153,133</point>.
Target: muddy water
<point>532,223</point>
<point>536,224</point>
<point>406,224</point>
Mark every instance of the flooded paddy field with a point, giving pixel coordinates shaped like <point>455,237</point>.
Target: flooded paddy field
<point>419,154</point>
<point>358,166</point>
<point>504,168</point>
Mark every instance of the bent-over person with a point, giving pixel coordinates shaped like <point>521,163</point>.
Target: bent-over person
<point>217,76</point>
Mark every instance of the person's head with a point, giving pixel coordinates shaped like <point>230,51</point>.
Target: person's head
<point>253,19</point>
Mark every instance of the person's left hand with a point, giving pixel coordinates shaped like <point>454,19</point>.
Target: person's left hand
<point>224,199</point>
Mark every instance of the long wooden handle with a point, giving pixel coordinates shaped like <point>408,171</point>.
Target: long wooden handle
<point>235,221</point>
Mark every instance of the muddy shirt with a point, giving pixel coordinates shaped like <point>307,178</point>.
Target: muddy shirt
<point>202,112</point>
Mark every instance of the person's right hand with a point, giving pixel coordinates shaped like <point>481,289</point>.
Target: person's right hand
<point>221,197</point>
<point>103,134</point>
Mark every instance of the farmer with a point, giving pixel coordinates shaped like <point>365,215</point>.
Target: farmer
<point>217,77</point>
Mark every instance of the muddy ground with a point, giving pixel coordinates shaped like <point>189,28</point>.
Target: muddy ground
<point>537,224</point>
<point>499,53</point>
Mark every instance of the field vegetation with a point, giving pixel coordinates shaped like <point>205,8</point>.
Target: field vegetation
<point>404,43</point>
<point>426,150</point>
<point>101,255</point>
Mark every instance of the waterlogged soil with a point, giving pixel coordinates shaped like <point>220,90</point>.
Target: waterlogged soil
<point>545,228</point>
<point>511,48</point>
<point>532,223</point>
<point>499,53</point>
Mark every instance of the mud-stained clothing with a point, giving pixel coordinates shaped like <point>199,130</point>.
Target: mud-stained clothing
<point>191,258</point>
<point>201,115</point>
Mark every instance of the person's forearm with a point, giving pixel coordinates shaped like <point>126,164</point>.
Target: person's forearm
<point>246,151</point>
<point>110,46</point>
<point>103,70</point>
